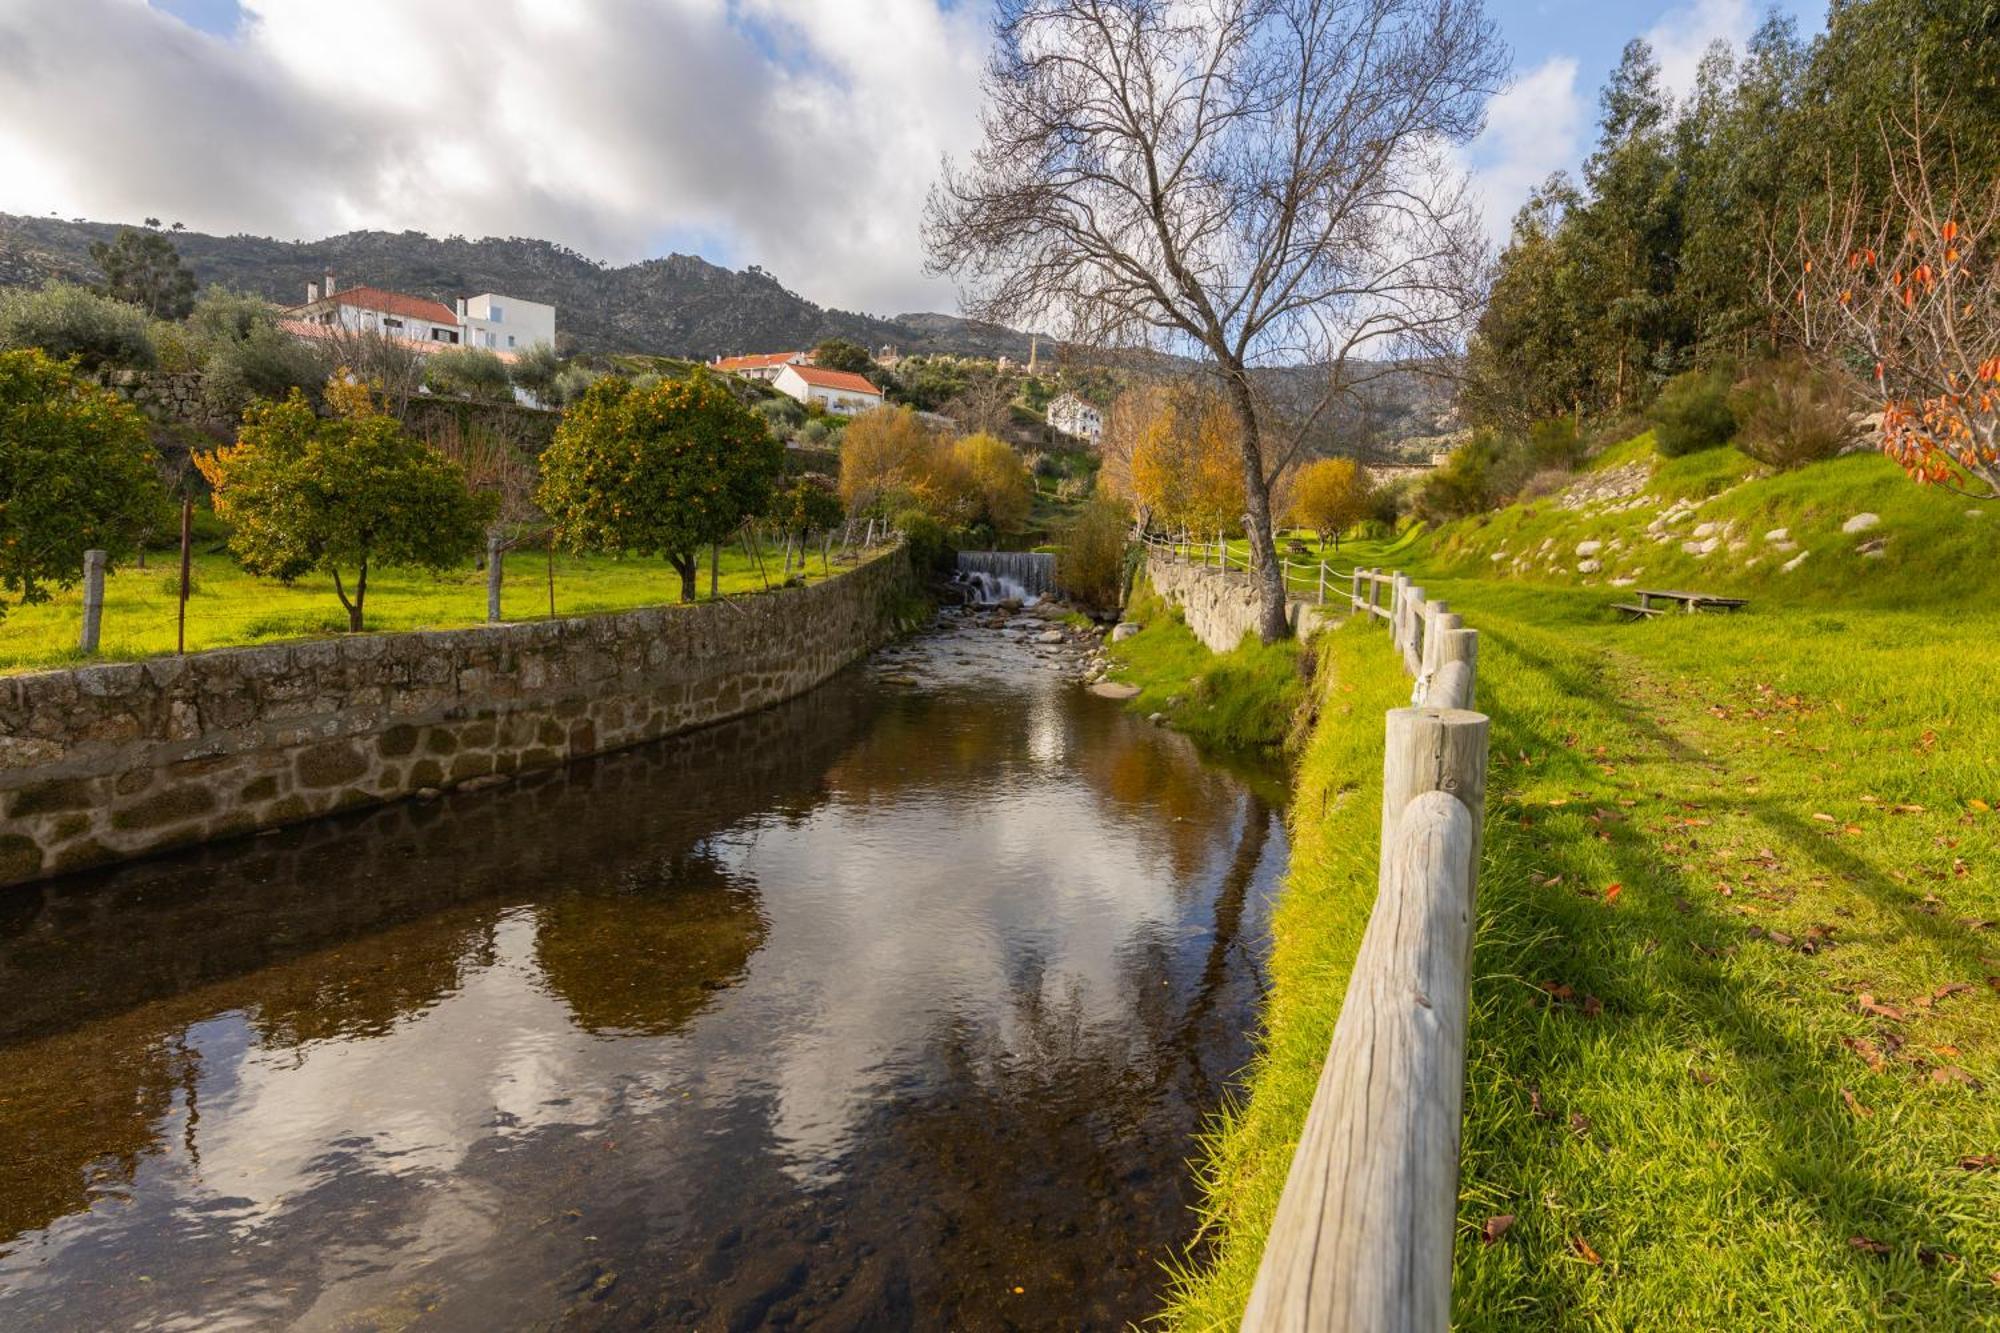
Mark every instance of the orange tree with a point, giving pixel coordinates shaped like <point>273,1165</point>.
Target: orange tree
<point>1903,296</point>
<point>351,491</point>
<point>661,470</point>
<point>75,474</point>
<point>1329,496</point>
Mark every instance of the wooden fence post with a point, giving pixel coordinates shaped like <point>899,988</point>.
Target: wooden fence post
<point>1413,628</point>
<point>1364,1231</point>
<point>187,574</point>
<point>494,548</point>
<point>93,600</point>
<point>1455,672</point>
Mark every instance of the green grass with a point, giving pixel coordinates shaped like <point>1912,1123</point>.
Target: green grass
<point>1243,700</point>
<point>1751,784</point>
<point>230,607</point>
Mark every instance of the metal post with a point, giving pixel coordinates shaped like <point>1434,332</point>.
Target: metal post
<point>93,599</point>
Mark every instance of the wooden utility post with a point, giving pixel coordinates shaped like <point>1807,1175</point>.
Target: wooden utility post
<point>93,600</point>
<point>494,547</point>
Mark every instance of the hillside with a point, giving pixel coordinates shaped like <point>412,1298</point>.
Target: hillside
<point>681,305</point>
<point>1718,522</point>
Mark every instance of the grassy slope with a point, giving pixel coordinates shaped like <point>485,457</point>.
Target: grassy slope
<point>231,607</point>
<point>1684,1111</point>
<point>1241,700</point>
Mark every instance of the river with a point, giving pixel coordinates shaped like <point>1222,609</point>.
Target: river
<point>900,1005</point>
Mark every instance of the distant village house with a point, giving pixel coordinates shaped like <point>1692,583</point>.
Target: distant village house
<point>503,325</point>
<point>764,366</point>
<point>1074,417</point>
<point>837,391</point>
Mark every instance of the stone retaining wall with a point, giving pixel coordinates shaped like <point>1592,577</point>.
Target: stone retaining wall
<point>1220,605</point>
<point>104,763</point>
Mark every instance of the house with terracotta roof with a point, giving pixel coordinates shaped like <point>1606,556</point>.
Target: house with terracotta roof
<point>503,325</point>
<point>763,366</point>
<point>837,391</point>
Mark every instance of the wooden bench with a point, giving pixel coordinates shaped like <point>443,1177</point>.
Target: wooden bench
<point>1689,602</point>
<point>1634,612</point>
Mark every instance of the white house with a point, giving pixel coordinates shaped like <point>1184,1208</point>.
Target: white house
<point>505,323</point>
<point>835,390</point>
<point>1072,416</point>
<point>763,366</point>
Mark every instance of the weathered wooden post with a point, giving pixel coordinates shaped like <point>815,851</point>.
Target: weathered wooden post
<point>1322,581</point>
<point>1413,628</point>
<point>1455,669</point>
<point>494,547</point>
<point>1434,612</point>
<point>93,600</point>
<point>1363,1235</point>
<point>187,580</point>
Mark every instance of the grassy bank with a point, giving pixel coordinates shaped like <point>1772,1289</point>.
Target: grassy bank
<point>1245,700</point>
<point>1736,1001</point>
<point>229,607</point>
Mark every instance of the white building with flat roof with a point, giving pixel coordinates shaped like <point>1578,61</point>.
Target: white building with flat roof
<point>505,323</point>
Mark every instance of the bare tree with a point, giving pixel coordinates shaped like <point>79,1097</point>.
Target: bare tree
<point>1257,183</point>
<point>1897,292</point>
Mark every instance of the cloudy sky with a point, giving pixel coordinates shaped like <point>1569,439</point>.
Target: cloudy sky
<point>796,134</point>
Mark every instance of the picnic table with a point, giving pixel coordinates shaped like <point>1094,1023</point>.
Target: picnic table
<point>1689,602</point>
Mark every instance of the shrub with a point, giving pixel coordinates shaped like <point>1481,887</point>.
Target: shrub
<point>470,372</point>
<point>75,473</point>
<point>1090,561</point>
<point>1000,483</point>
<point>930,545</point>
<point>537,371</point>
<point>266,363</point>
<point>66,320</point>
<point>572,382</point>
<point>782,415</point>
<point>1790,414</point>
<point>1692,413</point>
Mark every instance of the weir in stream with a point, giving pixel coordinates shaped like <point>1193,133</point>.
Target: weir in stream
<point>899,1005</point>
<point>995,576</point>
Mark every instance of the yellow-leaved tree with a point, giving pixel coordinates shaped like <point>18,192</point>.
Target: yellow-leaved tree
<point>1329,496</point>
<point>998,478</point>
<point>1186,468</point>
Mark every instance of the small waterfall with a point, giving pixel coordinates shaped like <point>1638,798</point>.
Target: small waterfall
<point>995,576</point>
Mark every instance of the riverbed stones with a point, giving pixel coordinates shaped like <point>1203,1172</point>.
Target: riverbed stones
<point>1112,689</point>
<point>1050,636</point>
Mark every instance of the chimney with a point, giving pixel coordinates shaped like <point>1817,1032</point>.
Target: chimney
<point>329,282</point>
<point>312,292</point>
<point>461,310</point>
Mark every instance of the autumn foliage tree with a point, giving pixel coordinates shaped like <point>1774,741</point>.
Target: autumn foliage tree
<point>75,474</point>
<point>1330,495</point>
<point>998,480</point>
<point>352,492</point>
<point>1186,466</point>
<point>1902,296</point>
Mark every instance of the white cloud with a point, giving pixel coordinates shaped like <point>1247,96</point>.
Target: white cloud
<point>1533,128</point>
<point>1683,35</point>
<point>806,142</point>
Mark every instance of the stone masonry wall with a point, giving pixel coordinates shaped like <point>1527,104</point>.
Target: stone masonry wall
<point>108,762</point>
<point>1220,605</point>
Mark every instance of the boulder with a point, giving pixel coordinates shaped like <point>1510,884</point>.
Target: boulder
<point>1589,548</point>
<point>1700,549</point>
<point>1588,566</point>
<point>1049,636</point>
<point>1795,561</point>
<point>1873,550</point>
<point>1861,522</point>
<point>1706,530</point>
<point>1112,689</point>
<point>1778,535</point>
<point>1124,632</point>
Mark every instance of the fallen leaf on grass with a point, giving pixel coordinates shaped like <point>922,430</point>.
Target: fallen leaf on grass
<point>1612,890</point>
<point>1867,1246</point>
<point>1889,1011</point>
<point>1579,1124</point>
<point>1703,1077</point>
<point>1985,1161</point>
<point>1825,818</point>
<point>1683,906</point>
<point>1978,805</point>
<point>1583,1250</point>
<point>1495,1228</point>
<point>1854,1104</point>
<point>1953,1074</point>
<point>1866,1049</point>
<point>1592,1006</point>
<point>1929,1257</point>
<point>1951,988</point>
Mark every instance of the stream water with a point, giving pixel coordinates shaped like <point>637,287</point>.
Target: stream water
<point>897,1006</point>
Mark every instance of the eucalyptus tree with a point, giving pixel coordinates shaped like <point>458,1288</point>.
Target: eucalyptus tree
<point>1262,185</point>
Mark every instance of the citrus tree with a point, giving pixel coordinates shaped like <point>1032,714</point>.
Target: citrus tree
<point>1330,496</point>
<point>350,492</point>
<point>665,469</point>
<point>76,474</point>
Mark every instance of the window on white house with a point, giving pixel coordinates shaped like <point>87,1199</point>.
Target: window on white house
<point>444,335</point>
<point>496,316</point>
<point>391,322</point>
<point>510,340</point>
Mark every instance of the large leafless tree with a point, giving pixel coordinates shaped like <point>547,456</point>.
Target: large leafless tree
<point>1260,184</point>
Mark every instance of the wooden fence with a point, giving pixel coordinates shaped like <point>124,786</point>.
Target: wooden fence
<point>1364,1230</point>
<point>1303,576</point>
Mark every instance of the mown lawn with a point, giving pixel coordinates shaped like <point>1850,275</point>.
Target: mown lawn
<point>229,607</point>
<point>1736,1032</point>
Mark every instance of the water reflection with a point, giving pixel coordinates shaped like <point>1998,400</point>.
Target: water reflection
<point>862,1012</point>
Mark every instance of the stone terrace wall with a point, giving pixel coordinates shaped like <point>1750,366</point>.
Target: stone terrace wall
<point>109,762</point>
<point>1220,605</point>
